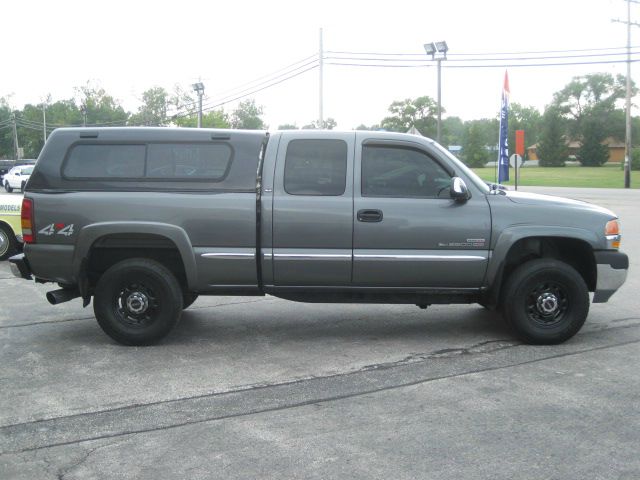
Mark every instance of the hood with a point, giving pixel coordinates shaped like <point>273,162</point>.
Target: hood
<point>538,199</point>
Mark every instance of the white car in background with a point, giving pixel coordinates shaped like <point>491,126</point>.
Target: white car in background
<point>17,177</point>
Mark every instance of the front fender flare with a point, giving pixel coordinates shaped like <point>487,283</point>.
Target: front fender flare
<point>509,236</point>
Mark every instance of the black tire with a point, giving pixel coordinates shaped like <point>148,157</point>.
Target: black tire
<point>22,185</point>
<point>8,243</point>
<point>7,187</point>
<point>546,301</point>
<point>137,301</point>
<point>188,299</point>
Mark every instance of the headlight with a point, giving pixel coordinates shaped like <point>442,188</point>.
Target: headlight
<point>612,234</point>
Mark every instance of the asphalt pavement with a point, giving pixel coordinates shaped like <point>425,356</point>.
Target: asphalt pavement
<point>257,387</point>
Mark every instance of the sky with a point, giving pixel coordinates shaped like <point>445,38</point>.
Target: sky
<point>129,46</point>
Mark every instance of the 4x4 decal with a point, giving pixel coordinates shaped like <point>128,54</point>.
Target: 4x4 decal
<point>57,228</point>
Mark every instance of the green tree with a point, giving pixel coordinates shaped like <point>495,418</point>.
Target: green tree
<point>592,152</point>
<point>589,103</point>
<point>211,119</point>
<point>6,130</point>
<point>328,124</point>
<point>372,128</point>
<point>98,107</point>
<point>420,112</point>
<point>474,151</point>
<point>154,108</point>
<point>453,131</point>
<point>247,116</point>
<point>288,126</point>
<point>552,150</point>
<point>523,118</point>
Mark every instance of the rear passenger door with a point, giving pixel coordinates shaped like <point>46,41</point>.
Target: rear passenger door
<point>313,210</point>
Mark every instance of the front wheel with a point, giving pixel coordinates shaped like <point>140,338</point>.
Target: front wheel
<point>137,301</point>
<point>7,187</point>
<point>546,301</point>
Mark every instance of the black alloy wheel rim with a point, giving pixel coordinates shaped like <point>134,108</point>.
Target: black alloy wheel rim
<point>136,305</point>
<point>547,304</point>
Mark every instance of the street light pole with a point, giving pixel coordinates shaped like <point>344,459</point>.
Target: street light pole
<point>440,49</point>
<point>439,127</point>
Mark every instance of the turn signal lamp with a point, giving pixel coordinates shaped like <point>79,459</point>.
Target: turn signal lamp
<point>612,232</point>
<point>26,219</point>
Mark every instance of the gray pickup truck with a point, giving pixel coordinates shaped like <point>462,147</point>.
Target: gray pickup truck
<point>146,219</point>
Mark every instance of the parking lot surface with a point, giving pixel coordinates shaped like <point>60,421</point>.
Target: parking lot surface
<point>257,387</point>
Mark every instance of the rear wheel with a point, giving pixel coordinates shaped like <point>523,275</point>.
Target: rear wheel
<point>546,301</point>
<point>22,185</point>
<point>7,187</point>
<point>137,301</point>
<point>8,242</point>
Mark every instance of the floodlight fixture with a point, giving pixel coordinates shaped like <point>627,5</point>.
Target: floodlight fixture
<point>442,47</point>
<point>198,87</point>
<point>430,48</point>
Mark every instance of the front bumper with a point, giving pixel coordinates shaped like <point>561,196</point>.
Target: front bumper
<point>612,267</point>
<point>20,266</point>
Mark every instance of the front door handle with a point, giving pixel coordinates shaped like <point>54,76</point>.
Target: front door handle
<point>369,215</point>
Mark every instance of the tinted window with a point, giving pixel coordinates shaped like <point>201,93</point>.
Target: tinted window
<point>105,161</point>
<point>210,161</point>
<point>316,167</point>
<point>402,172</point>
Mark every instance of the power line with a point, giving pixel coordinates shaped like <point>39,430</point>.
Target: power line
<point>289,75</point>
<point>535,52</point>
<point>501,65</point>
<point>276,74</point>
<point>373,59</point>
<point>211,107</point>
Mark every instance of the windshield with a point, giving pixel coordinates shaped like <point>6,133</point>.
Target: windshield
<point>467,171</point>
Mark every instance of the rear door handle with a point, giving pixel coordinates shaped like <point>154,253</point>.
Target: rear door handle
<point>369,215</point>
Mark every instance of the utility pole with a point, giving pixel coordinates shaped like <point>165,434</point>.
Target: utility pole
<point>15,137</point>
<point>627,144</point>
<point>321,80</point>
<point>199,89</point>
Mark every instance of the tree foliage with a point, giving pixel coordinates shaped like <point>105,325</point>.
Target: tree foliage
<point>552,150</point>
<point>420,113</point>
<point>589,103</point>
<point>524,118</point>
<point>247,116</point>
<point>474,148</point>
<point>328,124</point>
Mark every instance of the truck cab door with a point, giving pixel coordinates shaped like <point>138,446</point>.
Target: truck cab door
<point>408,232</point>
<point>313,209</point>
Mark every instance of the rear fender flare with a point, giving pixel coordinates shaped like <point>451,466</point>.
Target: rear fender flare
<point>89,234</point>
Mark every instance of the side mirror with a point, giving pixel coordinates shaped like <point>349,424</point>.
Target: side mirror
<point>459,190</point>
<point>17,174</point>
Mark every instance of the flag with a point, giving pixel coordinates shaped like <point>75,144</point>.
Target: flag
<point>503,158</point>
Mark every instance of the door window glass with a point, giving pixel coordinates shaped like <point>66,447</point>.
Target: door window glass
<point>402,172</point>
<point>316,167</point>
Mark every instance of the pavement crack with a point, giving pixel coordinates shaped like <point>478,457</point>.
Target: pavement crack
<point>65,470</point>
<point>45,322</point>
